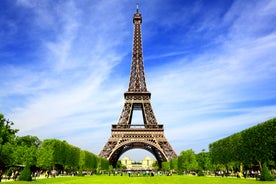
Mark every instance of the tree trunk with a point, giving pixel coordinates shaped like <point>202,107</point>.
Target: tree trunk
<point>260,164</point>
<point>241,167</point>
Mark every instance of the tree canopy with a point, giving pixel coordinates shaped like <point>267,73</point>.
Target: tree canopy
<point>253,145</point>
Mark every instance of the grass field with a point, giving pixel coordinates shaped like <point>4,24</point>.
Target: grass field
<point>175,179</point>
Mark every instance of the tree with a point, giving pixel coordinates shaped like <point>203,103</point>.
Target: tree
<point>26,175</point>
<point>119,165</point>
<point>166,166</point>
<point>91,160</point>
<point>260,142</point>
<point>7,135</point>
<point>72,157</point>
<point>25,150</point>
<point>45,156</point>
<point>204,161</point>
<point>187,161</point>
<point>174,164</point>
<point>265,174</point>
<point>103,164</point>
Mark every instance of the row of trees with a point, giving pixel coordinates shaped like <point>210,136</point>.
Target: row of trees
<point>60,155</point>
<point>188,161</point>
<point>253,146</point>
<point>48,154</point>
<point>250,149</point>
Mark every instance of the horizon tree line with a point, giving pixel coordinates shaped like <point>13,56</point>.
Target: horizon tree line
<point>248,149</point>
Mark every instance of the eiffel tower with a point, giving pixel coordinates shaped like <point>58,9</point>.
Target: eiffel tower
<point>125,135</point>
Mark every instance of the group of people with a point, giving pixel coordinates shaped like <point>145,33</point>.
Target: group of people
<point>10,175</point>
<point>245,174</point>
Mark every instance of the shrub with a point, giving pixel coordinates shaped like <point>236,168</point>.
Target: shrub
<point>265,174</point>
<point>200,173</point>
<point>25,174</point>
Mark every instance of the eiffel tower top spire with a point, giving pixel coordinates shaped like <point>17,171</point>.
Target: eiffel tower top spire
<point>137,82</point>
<point>137,8</point>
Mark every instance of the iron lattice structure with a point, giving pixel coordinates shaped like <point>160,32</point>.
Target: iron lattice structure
<point>149,135</point>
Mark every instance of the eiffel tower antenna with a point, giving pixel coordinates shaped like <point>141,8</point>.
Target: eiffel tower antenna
<point>149,135</point>
<point>137,7</point>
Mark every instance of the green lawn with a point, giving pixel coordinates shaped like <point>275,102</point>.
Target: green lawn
<point>176,179</point>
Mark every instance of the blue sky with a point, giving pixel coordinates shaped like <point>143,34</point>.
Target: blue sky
<point>210,66</point>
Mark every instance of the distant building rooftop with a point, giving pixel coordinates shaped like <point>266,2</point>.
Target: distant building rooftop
<point>145,164</point>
